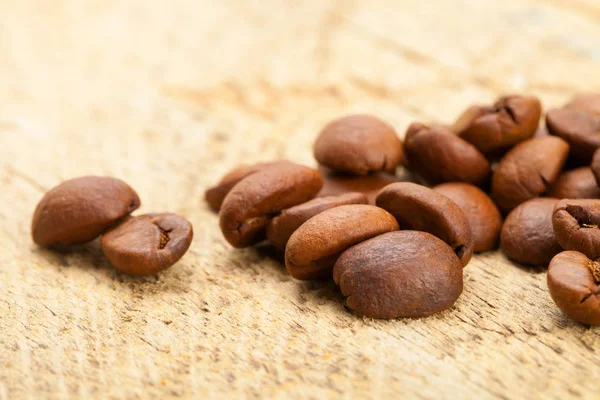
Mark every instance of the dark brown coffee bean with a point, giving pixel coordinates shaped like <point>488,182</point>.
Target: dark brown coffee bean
<point>81,209</point>
<point>527,234</point>
<point>399,274</point>
<point>359,144</point>
<point>528,170</point>
<point>484,217</point>
<point>438,156</point>
<point>588,102</point>
<point>336,183</point>
<point>512,119</point>
<point>577,225</point>
<point>577,183</point>
<point>248,207</point>
<point>214,196</point>
<point>282,226</point>
<point>579,128</point>
<point>596,166</point>
<point>574,284</point>
<point>314,247</point>
<point>147,244</point>
<point>422,209</point>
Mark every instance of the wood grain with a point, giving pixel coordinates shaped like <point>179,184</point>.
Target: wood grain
<point>170,95</point>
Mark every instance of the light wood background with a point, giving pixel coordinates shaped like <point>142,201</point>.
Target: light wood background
<point>169,95</point>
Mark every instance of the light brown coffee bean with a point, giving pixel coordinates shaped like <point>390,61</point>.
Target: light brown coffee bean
<point>399,274</point>
<point>512,119</point>
<point>527,234</point>
<point>484,217</point>
<point>574,284</point>
<point>248,207</point>
<point>422,209</point>
<point>359,144</point>
<point>314,247</point>
<point>147,244</point>
<point>588,102</point>
<point>577,183</point>
<point>282,226</point>
<point>576,225</point>
<point>528,170</point>
<point>81,209</point>
<point>579,128</point>
<point>439,156</point>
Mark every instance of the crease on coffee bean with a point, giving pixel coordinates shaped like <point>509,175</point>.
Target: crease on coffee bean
<point>164,238</point>
<point>583,218</point>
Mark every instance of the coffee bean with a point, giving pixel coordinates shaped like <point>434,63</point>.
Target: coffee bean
<point>528,170</point>
<point>359,144</point>
<point>214,196</point>
<point>147,244</point>
<point>577,183</point>
<point>527,234</point>
<point>577,225</point>
<point>399,274</point>
<point>588,102</point>
<point>336,183</point>
<point>81,209</point>
<point>248,207</point>
<point>512,119</point>
<point>574,284</point>
<point>314,247</point>
<point>596,166</point>
<point>422,209</point>
<point>282,226</point>
<point>483,215</point>
<point>439,156</point>
<point>579,128</point>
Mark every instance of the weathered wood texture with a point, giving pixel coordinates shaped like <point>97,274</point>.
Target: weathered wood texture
<point>168,95</point>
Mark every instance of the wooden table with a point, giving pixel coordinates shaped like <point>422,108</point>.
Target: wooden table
<point>168,95</point>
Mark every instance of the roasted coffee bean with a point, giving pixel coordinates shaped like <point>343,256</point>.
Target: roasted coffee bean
<point>282,226</point>
<point>574,284</point>
<point>528,170</point>
<point>336,183</point>
<point>422,209</point>
<point>483,215</point>
<point>248,207</point>
<point>577,183</point>
<point>399,274</point>
<point>596,166</point>
<point>315,246</point>
<point>81,209</point>
<point>214,196</point>
<point>359,144</point>
<point>512,119</point>
<point>147,244</point>
<point>438,156</point>
<point>579,128</point>
<point>577,225</point>
<point>527,234</point>
<point>588,102</point>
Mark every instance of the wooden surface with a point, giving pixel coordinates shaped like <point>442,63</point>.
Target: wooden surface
<point>170,95</point>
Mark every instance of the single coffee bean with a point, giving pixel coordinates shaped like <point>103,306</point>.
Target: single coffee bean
<point>577,183</point>
<point>359,144</point>
<point>588,102</point>
<point>484,217</point>
<point>528,170</point>
<point>574,284</point>
<point>399,274</point>
<point>147,244</point>
<point>596,166</point>
<point>579,128</point>
<point>315,246</point>
<point>336,183</point>
<point>214,196</point>
<point>438,156</point>
<point>422,209</point>
<point>248,207</point>
<point>81,209</point>
<point>577,225</point>
<point>512,119</point>
<point>527,234</point>
<point>282,226</point>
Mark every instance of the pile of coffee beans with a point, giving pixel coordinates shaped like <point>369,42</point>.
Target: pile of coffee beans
<point>398,249</point>
<point>80,210</point>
